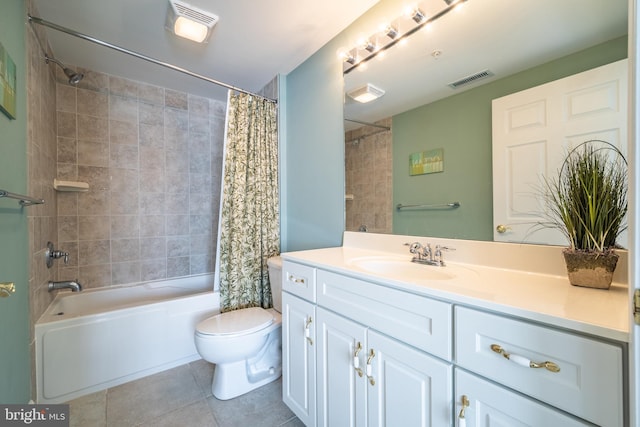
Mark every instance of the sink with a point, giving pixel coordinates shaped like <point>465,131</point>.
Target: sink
<point>402,269</point>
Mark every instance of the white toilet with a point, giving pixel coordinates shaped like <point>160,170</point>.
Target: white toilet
<point>245,344</point>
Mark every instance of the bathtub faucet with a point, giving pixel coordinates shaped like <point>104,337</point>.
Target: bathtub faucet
<point>71,284</point>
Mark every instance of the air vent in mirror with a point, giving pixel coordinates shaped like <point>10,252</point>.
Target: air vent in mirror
<point>471,79</point>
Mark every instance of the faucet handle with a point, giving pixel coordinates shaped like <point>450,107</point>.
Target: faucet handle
<point>414,247</point>
<point>61,254</point>
<point>437,256</point>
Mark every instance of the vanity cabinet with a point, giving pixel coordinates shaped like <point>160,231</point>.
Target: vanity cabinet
<point>363,353</point>
<point>372,367</point>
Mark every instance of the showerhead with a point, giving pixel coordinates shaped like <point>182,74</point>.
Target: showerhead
<point>74,77</point>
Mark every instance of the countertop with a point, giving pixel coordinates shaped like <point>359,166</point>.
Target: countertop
<point>546,298</point>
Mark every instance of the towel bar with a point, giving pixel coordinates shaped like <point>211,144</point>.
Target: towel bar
<point>23,200</point>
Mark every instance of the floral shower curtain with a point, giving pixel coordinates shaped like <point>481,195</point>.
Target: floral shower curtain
<point>250,216</point>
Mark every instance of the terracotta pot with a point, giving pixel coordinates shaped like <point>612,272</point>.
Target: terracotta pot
<point>589,269</point>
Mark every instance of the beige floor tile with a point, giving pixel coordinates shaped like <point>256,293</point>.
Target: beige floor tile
<point>181,397</point>
<point>203,373</point>
<point>197,414</point>
<point>148,398</point>
<point>89,410</point>
<point>262,407</point>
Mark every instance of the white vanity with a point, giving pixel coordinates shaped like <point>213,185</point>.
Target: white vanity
<point>498,336</point>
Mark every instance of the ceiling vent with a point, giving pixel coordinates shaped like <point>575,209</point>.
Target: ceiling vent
<point>471,79</point>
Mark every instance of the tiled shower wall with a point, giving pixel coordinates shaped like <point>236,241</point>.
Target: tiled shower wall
<point>368,171</point>
<point>153,159</point>
<point>41,157</point>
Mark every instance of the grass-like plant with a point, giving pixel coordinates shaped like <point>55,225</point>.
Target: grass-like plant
<point>587,200</point>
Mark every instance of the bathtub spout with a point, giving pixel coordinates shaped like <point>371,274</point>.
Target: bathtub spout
<point>72,284</point>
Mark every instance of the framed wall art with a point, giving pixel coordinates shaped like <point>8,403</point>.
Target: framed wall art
<point>7,84</point>
<point>425,162</point>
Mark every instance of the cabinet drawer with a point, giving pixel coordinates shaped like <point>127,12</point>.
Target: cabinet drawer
<point>299,280</point>
<point>588,384</point>
<point>415,320</point>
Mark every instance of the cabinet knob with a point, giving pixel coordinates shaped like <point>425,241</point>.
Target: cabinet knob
<point>500,228</point>
<point>523,361</point>
<point>6,289</point>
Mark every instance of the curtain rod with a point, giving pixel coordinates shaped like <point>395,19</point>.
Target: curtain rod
<point>40,21</point>
<point>367,124</point>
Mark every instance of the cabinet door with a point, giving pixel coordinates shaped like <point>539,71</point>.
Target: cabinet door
<point>493,406</point>
<point>299,358</point>
<point>341,390</point>
<point>406,387</point>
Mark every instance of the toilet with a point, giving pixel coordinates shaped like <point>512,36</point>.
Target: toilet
<point>245,345</point>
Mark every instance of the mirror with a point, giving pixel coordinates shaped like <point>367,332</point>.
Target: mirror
<point>520,43</point>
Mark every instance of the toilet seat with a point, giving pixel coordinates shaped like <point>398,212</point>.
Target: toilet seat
<point>244,321</point>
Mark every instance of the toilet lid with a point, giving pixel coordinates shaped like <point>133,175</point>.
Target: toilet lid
<point>242,321</point>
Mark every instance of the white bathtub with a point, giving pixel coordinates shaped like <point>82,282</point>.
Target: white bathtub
<point>99,338</point>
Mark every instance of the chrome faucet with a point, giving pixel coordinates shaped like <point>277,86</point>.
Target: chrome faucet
<point>71,284</point>
<point>425,255</point>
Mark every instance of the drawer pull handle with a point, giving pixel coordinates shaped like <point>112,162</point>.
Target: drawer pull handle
<point>523,361</point>
<point>372,354</point>
<point>307,330</point>
<point>295,279</point>
<point>462,422</point>
<point>356,359</point>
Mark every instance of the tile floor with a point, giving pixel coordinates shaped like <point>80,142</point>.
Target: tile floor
<point>181,397</point>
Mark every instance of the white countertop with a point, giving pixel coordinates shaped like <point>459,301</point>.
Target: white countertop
<point>546,298</point>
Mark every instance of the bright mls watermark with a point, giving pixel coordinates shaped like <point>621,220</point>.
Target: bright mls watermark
<point>34,415</point>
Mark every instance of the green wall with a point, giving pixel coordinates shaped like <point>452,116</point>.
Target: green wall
<point>15,361</point>
<point>461,124</point>
<point>312,143</point>
<point>313,154</point>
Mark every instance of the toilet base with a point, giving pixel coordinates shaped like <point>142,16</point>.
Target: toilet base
<point>237,378</point>
<point>231,381</point>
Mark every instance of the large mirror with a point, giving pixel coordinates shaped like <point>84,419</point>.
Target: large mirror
<point>519,43</point>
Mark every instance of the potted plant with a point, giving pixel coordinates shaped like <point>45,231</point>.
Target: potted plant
<point>587,201</point>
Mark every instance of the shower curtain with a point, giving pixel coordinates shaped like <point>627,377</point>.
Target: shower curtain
<point>249,231</point>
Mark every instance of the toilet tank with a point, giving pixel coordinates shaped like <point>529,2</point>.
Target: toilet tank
<point>275,279</point>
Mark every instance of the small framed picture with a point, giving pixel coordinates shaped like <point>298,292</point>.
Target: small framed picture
<point>7,84</point>
<point>425,162</point>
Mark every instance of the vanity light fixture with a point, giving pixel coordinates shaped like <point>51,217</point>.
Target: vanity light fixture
<point>396,32</point>
<point>369,46</point>
<point>391,32</point>
<point>349,57</point>
<point>366,93</point>
<point>418,16</point>
<point>189,22</point>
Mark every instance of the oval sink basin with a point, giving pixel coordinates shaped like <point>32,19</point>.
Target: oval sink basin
<point>401,269</point>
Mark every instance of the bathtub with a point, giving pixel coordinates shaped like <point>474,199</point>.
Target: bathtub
<point>100,338</point>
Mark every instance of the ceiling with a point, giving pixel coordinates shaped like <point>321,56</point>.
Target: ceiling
<point>255,40</point>
<point>252,42</point>
<point>503,36</point>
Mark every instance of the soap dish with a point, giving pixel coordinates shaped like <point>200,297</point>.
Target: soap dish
<point>59,185</point>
